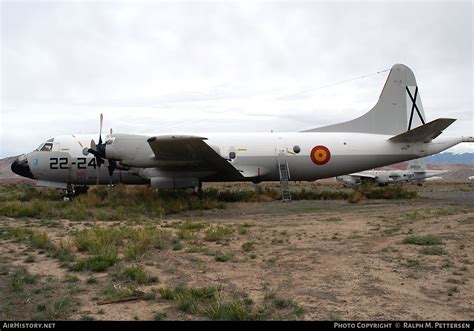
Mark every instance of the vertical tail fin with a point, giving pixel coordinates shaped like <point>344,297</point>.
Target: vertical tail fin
<point>398,109</point>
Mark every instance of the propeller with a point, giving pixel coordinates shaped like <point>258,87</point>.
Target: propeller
<point>98,150</point>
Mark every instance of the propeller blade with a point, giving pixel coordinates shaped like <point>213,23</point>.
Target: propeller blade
<point>98,160</point>
<point>98,175</point>
<point>111,166</point>
<point>100,130</point>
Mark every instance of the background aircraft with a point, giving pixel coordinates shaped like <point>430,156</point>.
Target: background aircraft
<point>394,130</point>
<point>416,172</point>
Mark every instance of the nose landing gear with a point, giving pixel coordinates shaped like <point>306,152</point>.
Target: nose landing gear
<point>198,189</point>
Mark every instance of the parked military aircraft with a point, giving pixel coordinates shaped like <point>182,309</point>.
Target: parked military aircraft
<point>394,130</point>
<point>416,172</point>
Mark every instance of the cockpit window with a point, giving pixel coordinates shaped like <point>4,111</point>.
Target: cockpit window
<point>46,147</point>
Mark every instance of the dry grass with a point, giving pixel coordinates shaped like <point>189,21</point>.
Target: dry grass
<point>314,259</point>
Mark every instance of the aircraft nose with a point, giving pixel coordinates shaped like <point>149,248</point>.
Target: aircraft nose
<point>21,167</point>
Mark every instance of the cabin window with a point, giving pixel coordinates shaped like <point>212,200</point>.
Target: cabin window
<point>232,155</point>
<point>296,149</point>
<point>47,147</point>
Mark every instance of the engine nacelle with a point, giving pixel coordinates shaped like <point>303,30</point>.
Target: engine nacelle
<point>131,150</point>
<point>170,182</point>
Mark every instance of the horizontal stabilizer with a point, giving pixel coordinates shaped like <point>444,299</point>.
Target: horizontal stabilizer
<point>424,133</point>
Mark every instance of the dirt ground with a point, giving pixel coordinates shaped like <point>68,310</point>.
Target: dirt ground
<point>334,259</point>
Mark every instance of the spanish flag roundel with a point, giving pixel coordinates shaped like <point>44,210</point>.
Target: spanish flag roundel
<point>320,155</point>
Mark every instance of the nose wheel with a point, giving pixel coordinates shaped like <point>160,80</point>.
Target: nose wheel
<point>198,189</point>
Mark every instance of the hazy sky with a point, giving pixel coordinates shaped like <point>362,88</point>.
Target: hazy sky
<point>223,66</point>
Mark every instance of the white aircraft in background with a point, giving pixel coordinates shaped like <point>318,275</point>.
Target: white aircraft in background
<point>471,178</point>
<point>394,130</point>
<point>416,172</point>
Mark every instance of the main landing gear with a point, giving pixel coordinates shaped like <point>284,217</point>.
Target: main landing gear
<point>72,191</point>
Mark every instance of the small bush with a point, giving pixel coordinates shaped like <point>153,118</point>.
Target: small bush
<point>228,311</point>
<point>166,293</point>
<point>58,310</point>
<point>135,274</point>
<point>190,226</point>
<point>30,259</point>
<point>87,318</point>
<point>149,296</point>
<point>223,257</point>
<point>111,292</point>
<point>20,278</point>
<point>216,233</point>
<point>412,263</point>
<point>95,263</point>
<point>63,254</point>
<point>188,299</point>
<point>283,303</point>
<point>355,197</point>
<point>134,242</point>
<point>91,280</point>
<point>242,230</point>
<point>71,279</point>
<point>433,250</point>
<point>423,240</point>
<point>36,239</point>
<point>247,246</point>
<point>387,192</point>
<point>159,316</point>
<point>392,230</point>
<point>453,290</point>
<point>318,195</point>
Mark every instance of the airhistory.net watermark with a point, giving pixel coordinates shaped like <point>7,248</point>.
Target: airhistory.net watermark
<point>27,325</point>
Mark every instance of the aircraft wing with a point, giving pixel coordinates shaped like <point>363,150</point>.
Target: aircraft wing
<point>363,175</point>
<point>192,151</point>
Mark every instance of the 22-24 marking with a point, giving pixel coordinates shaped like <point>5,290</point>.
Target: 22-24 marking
<point>62,163</point>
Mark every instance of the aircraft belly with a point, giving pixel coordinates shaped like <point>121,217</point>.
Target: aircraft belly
<point>302,168</point>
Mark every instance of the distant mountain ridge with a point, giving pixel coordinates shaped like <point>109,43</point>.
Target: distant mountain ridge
<point>451,158</point>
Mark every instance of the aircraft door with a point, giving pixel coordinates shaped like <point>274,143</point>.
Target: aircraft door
<point>281,146</point>
<point>281,153</point>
